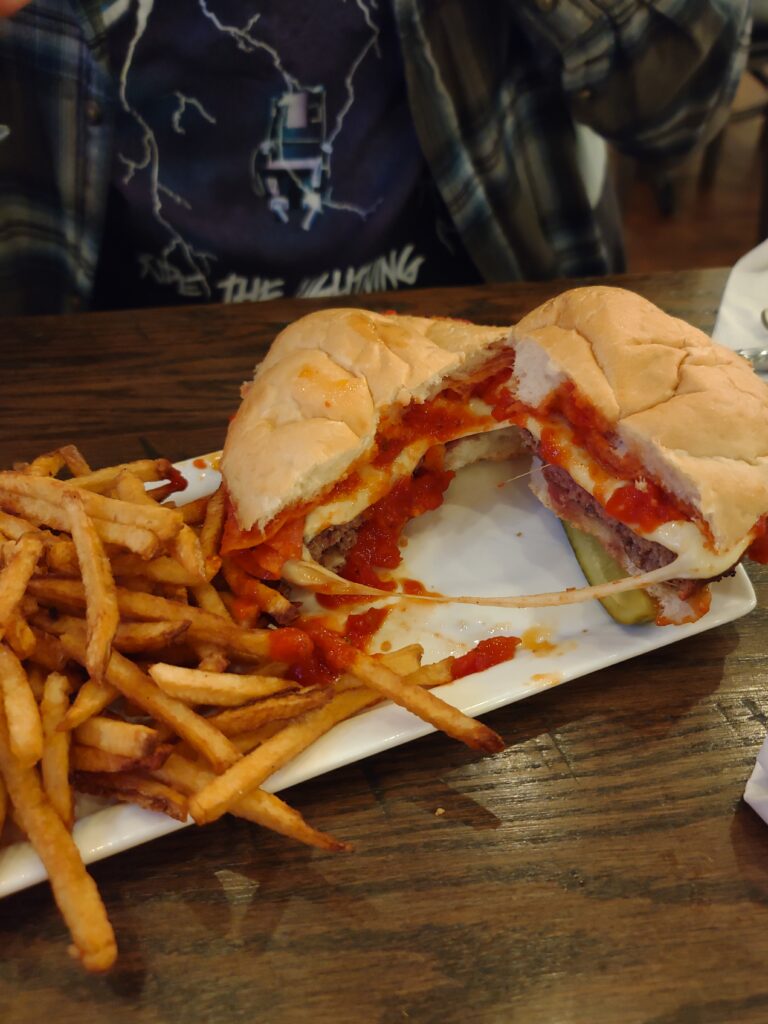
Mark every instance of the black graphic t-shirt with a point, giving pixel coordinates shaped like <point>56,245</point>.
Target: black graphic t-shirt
<point>264,150</point>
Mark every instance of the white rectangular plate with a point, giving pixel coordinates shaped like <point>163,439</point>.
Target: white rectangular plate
<point>490,537</point>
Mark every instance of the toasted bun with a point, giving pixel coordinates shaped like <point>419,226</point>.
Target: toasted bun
<point>318,397</point>
<point>694,412</point>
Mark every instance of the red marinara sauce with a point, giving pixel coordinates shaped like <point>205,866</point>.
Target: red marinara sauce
<point>551,448</point>
<point>331,656</point>
<point>646,507</point>
<point>289,644</point>
<point>313,671</point>
<point>176,479</point>
<point>337,654</point>
<point>234,538</point>
<point>758,549</point>
<point>360,628</point>
<point>377,544</point>
<point>330,653</point>
<point>494,392</point>
<point>416,588</point>
<point>440,419</point>
<point>488,653</point>
<point>246,611</point>
<point>593,432</point>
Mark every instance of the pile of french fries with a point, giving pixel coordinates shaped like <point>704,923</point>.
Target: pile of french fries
<point>129,670</point>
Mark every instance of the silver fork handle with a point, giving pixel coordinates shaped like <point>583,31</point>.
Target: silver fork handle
<point>758,357</point>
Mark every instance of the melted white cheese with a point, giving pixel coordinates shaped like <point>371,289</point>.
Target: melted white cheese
<point>578,461</point>
<point>377,481</point>
<point>696,557</point>
<point>696,560</point>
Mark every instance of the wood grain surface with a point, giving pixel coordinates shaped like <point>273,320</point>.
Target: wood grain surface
<point>602,869</point>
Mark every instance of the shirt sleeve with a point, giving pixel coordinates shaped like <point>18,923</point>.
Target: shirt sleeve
<point>655,79</point>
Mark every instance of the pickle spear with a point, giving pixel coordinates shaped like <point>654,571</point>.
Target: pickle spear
<point>630,608</point>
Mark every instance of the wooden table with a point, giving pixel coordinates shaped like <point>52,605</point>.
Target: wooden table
<point>603,868</point>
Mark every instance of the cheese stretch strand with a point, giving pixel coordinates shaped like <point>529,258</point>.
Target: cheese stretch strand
<point>313,576</point>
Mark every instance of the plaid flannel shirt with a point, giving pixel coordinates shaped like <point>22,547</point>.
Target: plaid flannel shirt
<point>506,96</point>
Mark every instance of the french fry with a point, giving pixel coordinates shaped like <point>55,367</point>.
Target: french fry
<point>273,709</point>
<point>208,599</point>
<point>136,637</point>
<point>185,548</point>
<point>265,598</point>
<point>142,637</point>
<point>134,788</point>
<point>19,636</point>
<point>25,729</point>
<point>142,691</point>
<point>227,689</point>
<point>138,584</point>
<point>249,643</point>
<point>403,661</point>
<point>93,759</point>
<point>193,512</point>
<point>73,888</point>
<point>48,652</point>
<point>55,759</point>
<point>45,513</point>
<point>245,742</point>
<point>172,592</point>
<point>61,558</point>
<point>159,493</point>
<point>127,739</point>
<point>345,658</point>
<point>213,524</point>
<point>128,487</point>
<point>163,522</point>
<point>3,804</point>
<point>16,574</point>
<point>253,769</point>
<point>75,460</point>
<point>92,698</point>
<point>161,570</point>
<point>48,464</point>
<point>16,526</point>
<point>130,637</point>
<point>245,613</point>
<point>264,809</point>
<point>102,480</point>
<point>102,615</point>
<point>248,741</point>
<point>436,674</point>
<point>211,658</point>
<point>36,676</point>
<point>89,759</point>
<point>211,532</point>
<point>7,550</point>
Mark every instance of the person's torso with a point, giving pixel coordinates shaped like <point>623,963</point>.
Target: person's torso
<point>266,154</point>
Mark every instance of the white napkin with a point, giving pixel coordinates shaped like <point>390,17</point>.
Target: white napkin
<point>745,297</point>
<point>739,326</point>
<point>756,793</point>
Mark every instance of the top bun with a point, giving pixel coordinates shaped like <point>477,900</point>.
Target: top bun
<point>694,412</point>
<point>317,398</point>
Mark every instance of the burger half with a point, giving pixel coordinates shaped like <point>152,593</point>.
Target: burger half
<point>644,435</point>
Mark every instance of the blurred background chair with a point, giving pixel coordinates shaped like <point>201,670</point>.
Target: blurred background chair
<point>713,208</point>
<point>757,71</point>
